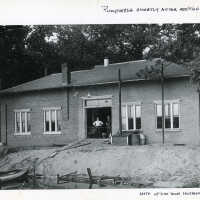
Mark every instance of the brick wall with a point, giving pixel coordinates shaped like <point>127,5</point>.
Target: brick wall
<point>74,128</point>
<point>147,93</point>
<point>36,101</point>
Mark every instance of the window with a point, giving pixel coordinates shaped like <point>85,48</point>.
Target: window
<point>171,117</point>
<point>52,120</point>
<point>131,116</point>
<point>22,122</point>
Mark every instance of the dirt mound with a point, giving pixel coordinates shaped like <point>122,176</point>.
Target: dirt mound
<point>150,163</point>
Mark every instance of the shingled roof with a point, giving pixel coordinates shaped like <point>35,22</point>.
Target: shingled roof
<point>98,75</point>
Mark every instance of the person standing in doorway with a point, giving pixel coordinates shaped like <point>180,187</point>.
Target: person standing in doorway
<point>98,124</point>
<point>108,126</point>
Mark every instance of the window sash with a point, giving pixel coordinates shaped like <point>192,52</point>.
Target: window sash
<point>169,114</point>
<point>130,111</point>
<point>20,118</point>
<point>58,120</point>
<point>53,126</point>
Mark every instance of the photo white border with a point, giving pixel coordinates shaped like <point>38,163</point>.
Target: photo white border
<point>28,12</point>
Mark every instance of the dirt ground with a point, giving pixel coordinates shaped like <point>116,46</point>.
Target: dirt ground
<point>161,165</point>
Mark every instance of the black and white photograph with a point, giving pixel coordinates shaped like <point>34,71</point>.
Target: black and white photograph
<point>100,106</point>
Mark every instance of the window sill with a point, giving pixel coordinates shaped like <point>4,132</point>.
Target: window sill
<point>169,130</point>
<point>22,134</point>
<point>137,131</point>
<point>52,133</point>
<point>132,130</point>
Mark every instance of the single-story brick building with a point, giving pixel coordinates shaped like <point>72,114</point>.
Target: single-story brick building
<point>61,108</point>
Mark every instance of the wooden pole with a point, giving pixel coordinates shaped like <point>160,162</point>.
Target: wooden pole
<point>6,123</point>
<point>0,125</point>
<point>163,105</point>
<point>120,106</point>
<point>90,177</point>
<point>89,174</point>
<point>68,90</point>
<point>58,178</point>
<point>34,175</point>
<point>67,103</point>
<point>198,90</point>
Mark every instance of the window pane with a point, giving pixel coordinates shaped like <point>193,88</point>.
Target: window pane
<point>138,111</point>
<point>175,122</point>
<point>167,122</point>
<point>28,122</point>
<point>159,110</point>
<point>47,123</point>
<point>175,109</point>
<point>159,122</point>
<point>130,123</point>
<point>130,117</point>
<point>138,116</point>
<point>167,110</point>
<point>17,115</point>
<point>123,117</point>
<point>58,120</point>
<point>138,123</point>
<point>53,128</point>
<point>23,121</point>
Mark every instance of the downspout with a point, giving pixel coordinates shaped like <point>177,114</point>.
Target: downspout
<point>0,114</point>
<point>66,79</point>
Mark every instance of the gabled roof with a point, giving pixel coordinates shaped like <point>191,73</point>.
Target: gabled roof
<point>47,82</point>
<point>98,75</point>
<point>101,74</point>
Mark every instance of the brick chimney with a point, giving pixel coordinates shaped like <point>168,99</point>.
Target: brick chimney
<point>66,76</point>
<point>106,62</point>
<point>45,71</point>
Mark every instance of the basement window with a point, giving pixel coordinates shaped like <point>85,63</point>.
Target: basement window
<point>52,120</point>
<point>131,116</point>
<point>22,122</point>
<point>171,117</point>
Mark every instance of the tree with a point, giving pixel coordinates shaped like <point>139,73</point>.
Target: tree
<point>12,44</point>
<point>43,48</point>
<point>83,46</point>
<point>177,43</point>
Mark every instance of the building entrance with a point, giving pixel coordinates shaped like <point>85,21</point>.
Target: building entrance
<point>96,129</point>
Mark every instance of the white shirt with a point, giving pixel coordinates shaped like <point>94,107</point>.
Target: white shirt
<point>98,123</point>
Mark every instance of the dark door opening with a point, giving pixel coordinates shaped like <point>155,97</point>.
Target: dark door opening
<point>104,115</point>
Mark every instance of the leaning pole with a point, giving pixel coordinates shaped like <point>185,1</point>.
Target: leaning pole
<point>163,105</point>
<point>120,102</point>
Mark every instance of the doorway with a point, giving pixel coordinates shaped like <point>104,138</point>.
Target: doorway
<point>104,115</point>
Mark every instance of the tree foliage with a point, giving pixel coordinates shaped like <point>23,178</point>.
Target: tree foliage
<point>178,43</point>
<point>27,50</point>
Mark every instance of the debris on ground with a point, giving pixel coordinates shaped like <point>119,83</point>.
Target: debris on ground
<point>153,165</point>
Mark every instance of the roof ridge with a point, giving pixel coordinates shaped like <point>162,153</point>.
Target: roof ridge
<point>121,63</point>
<point>93,76</point>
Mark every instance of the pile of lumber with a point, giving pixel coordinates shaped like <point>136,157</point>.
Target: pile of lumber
<point>88,178</point>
